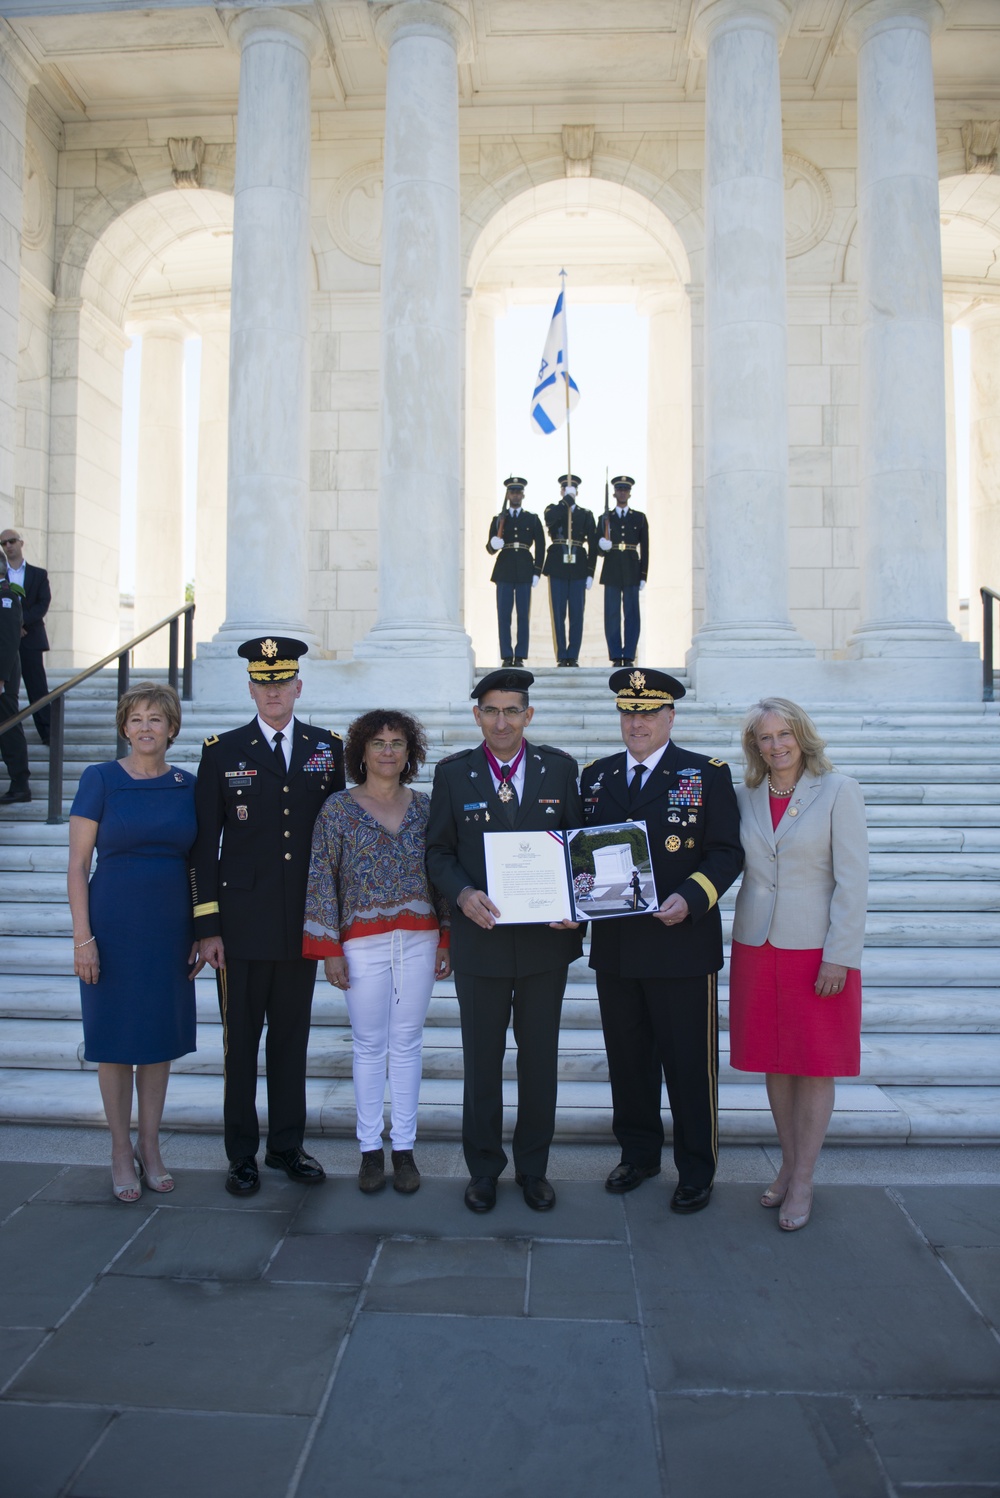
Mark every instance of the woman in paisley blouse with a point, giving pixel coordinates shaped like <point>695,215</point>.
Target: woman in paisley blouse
<point>380,929</point>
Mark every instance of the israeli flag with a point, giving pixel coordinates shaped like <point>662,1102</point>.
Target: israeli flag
<point>548,402</point>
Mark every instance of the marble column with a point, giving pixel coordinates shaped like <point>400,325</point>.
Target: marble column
<point>903,463</point>
<point>268,488</point>
<point>420,397</point>
<point>17,73</point>
<point>667,599</point>
<point>213,430</point>
<point>159,530</point>
<point>483,479</point>
<point>746,426</point>
<point>984,475</point>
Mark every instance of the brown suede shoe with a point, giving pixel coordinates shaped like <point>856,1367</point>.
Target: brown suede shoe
<point>405,1175</point>
<point>371,1176</point>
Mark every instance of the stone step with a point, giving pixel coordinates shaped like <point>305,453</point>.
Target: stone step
<point>863,1114</point>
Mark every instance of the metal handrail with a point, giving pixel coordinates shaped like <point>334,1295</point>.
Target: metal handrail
<point>55,699</point>
<point>989,597</point>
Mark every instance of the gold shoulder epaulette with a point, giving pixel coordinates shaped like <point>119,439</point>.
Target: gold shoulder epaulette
<point>588,765</point>
<point>334,734</point>
<point>717,761</point>
<point>210,741</point>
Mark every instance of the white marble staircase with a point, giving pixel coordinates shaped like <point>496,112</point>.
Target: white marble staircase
<point>931,1042</point>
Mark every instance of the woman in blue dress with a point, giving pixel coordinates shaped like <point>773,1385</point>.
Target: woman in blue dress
<point>133,939</point>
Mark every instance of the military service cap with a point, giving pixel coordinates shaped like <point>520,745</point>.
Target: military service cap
<point>622,482</point>
<point>272,657</point>
<point>644,691</point>
<point>507,679</point>
<point>570,478</point>
<point>515,483</point>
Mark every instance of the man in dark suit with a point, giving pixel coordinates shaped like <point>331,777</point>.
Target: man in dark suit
<point>34,607</point>
<point>13,746</point>
<point>623,537</point>
<point>505,784</point>
<point>569,567</point>
<point>260,789</point>
<point>657,974</point>
<point>515,534</point>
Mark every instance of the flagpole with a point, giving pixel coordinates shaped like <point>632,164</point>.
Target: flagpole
<point>569,456</point>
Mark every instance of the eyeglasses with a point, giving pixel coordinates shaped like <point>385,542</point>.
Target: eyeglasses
<point>11,541</point>
<point>510,713</point>
<point>396,745</point>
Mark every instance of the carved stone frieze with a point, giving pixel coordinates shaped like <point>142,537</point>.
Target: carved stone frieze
<point>808,204</point>
<point>355,213</point>
<point>187,154</point>
<point>980,139</point>
<point>578,149</point>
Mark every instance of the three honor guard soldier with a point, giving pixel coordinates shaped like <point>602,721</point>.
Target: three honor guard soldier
<point>623,537</point>
<point>260,789</point>
<point>569,566</point>
<point>516,536</point>
<point>505,784</point>
<point>657,974</point>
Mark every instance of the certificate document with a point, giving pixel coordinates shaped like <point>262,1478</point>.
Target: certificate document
<point>588,874</point>
<point>526,877</point>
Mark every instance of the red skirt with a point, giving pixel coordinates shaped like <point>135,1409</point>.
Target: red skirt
<point>778,1024</point>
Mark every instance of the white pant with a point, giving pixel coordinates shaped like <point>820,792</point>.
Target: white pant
<point>391,978</point>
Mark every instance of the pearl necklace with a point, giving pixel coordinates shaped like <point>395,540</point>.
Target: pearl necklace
<point>780,794</point>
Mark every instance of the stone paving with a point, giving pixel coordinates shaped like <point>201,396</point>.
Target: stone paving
<point>313,1343</point>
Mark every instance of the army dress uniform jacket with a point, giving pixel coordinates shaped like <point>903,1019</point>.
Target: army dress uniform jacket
<point>11,616</point>
<point>464,809</point>
<point>253,892</point>
<point>626,565</point>
<point>693,822</point>
<point>522,536</point>
<point>585,552</point>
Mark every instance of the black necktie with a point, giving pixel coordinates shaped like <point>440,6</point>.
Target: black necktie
<point>279,753</point>
<point>635,785</point>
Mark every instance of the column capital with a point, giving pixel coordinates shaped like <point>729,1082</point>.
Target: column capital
<point>983,313</point>
<point>17,66</point>
<point>299,25</point>
<point>712,16</point>
<point>158,324</point>
<point>866,15</point>
<point>439,18</point>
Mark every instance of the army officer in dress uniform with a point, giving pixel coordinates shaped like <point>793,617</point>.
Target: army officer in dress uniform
<point>569,566</point>
<point>260,789</point>
<point>517,537</point>
<point>504,784</point>
<point>623,537</point>
<point>657,974</point>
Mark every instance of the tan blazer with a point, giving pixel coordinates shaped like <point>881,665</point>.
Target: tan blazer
<point>805,885</point>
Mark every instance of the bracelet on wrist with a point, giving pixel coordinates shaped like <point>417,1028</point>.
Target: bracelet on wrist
<point>78,944</point>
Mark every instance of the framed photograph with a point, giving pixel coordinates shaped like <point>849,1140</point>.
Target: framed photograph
<point>589,874</point>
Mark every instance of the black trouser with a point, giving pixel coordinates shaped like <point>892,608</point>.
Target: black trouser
<point>36,686</point>
<point>486,1005</point>
<point>673,1023</point>
<point>13,744</point>
<point>282,992</point>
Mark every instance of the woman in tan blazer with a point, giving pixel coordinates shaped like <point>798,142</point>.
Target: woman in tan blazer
<point>795,981</point>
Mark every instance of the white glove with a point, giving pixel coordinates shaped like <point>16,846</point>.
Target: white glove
<point>642,585</point>
<point>590,583</point>
<point>604,543</point>
<point>570,491</point>
<point>496,542</point>
<point>535,580</point>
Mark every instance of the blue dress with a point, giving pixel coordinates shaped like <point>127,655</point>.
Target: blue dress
<point>141,1010</point>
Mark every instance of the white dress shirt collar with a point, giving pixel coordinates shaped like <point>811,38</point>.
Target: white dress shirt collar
<point>650,763</point>
<point>286,743</point>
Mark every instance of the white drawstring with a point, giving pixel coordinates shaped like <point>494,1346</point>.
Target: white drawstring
<point>396,961</point>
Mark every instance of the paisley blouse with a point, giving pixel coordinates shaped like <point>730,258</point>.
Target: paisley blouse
<point>365,880</point>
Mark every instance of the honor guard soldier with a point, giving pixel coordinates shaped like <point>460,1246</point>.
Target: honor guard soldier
<point>504,784</point>
<point>517,537</point>
<point>657,974</point>
<point>569,566</point>
<point>623,537</point>
<point>260,789</point>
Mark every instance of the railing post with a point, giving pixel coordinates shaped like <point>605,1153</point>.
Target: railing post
<point>172,654</point>
<point>123,670</point>
<point>187,689</point>
<point>987,596</point>
<point>56,740</point>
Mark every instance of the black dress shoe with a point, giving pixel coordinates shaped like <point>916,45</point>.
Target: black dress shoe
<point>537,1192</point>
<point>626,1177</point>
<point>12,795</point>
<point>297,1165</point>
<point>243,1178</point>
<point>519,660</point>
<point>508,660</point>
<point>690,1198</point>
<point>481,1194</point>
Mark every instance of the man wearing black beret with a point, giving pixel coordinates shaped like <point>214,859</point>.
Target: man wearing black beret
<point>504,784</point>
<point>657,974</point>
<point>260,789</point>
